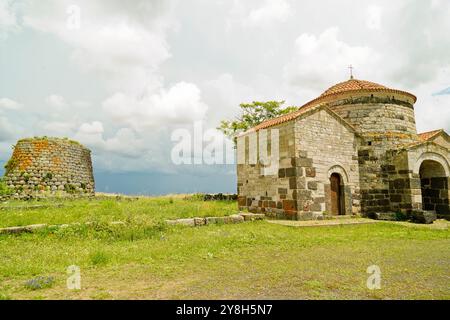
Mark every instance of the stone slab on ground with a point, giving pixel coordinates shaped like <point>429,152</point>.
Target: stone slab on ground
<point>324,223</point>
<point>34,227</point>
<point>252,216</point>
<point>32,207</point>
<point>22,229</point>
<point>185,222</point>
<point>422,216</point>
<point>388,216</point>
<point>234,218</point>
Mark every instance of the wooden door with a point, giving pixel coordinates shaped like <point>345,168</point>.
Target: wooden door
<point>335,182</point>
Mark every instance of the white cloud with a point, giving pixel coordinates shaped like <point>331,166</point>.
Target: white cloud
<point>271,11</point>
<point>8,19</point>
<point>57,128</point>
<point>125,151</point>
<point>374,14</point>
<point>8,104</point>
<point>180,104</point>
<point>7,130</point>
<point>225,94</point>
<point>320,61</point>
<point>253,14</point>
<point>124,143</point>
<point>95,127</point>
<point>114,40</point>
<point>56,101</point>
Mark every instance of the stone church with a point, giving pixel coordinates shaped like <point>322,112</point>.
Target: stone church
<point>352,150</point>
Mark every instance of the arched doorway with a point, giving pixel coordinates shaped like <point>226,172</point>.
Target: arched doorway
<point>434,187</point>
<point>336,194</point>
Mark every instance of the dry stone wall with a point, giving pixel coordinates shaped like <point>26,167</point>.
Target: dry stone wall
<point>41,167</point>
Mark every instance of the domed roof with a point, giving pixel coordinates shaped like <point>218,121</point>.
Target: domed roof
<point>335,93</point>
<point>352,85</point>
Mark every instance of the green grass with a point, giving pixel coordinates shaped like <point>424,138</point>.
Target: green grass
<point>146,259</point>
<point>148,210</point>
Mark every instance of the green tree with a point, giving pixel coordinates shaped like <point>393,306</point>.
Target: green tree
<point>253,114</point>
<point>4,189</point>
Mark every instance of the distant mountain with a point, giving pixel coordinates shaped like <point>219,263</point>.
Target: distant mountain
<point>159,183</point>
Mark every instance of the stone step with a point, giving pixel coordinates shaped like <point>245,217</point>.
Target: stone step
<point>334,217</point>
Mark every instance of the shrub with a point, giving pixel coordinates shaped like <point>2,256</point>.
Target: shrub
<point>99,258</point>
<point>400,216</point>
<point>10,165</point>
<point>195,197</point>
<point>70,188</point>
<point>4,189</point>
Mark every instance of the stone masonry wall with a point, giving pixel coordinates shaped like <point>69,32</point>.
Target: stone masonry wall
<point>260,192</point>
<point>429,188</point>
<point>385,124</point>
<point>310,150</point>
<point>324,145</point>
<point>406,190</point>
<point>372,117</point>
<point>41,167</point>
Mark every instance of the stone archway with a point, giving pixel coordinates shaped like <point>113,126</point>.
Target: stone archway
<point>337,191</point>
<point>434,184</point>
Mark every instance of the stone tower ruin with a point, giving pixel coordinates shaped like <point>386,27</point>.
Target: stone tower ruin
<point>41,167</point>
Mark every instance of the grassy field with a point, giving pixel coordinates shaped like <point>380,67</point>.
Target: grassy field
<point>147,211</point>
<point>146,259</point>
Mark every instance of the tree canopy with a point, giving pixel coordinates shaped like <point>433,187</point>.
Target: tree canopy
<point>253,114</point>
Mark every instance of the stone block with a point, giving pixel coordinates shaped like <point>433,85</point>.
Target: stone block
<point>253,216</point>
<point>199,221</point>
<point>399,183</point>
<point>310,172</point>
<point>289,205</point>
<point>312,185</point>
<point>422,216</point>
<point>185,222</point>
<point>395,197</point>
<point>242,201</point>
<point>304,162</point>
<point>236,218</point>
<point>303,195</point>
<point>388,216</point>
<point>291,172</point>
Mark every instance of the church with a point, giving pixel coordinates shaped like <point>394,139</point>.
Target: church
<point>354,150</point>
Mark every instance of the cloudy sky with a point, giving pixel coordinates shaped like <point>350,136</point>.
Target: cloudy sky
<point>120,76</point>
